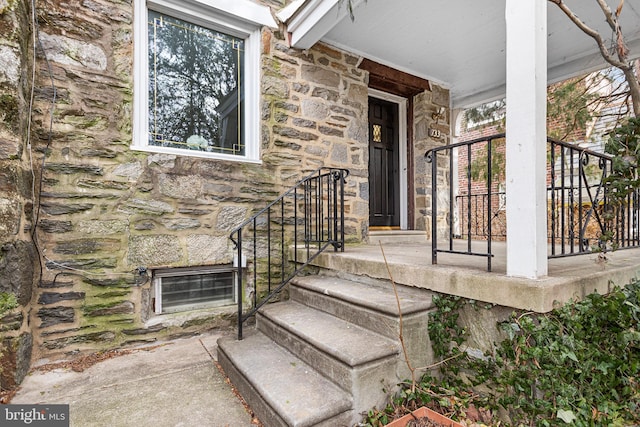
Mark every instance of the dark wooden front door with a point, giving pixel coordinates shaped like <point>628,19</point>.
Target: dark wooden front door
<point>384,165</point>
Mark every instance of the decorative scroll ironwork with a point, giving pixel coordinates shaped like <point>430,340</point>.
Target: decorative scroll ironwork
<point>581,217</point>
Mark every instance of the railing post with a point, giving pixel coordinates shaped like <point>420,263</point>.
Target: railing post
<point>255,261</point>
<point>268,249</point>
<point>295,226</point>
<point>282,243</point>
<point>434,208</point>
<point>451,206</point>
<point>582,162</point>
<point>335,176</point>
<point>469,192</point>
<point>342,179</point>
<point>489,211</point>
<point>239,284</point>
<point>553,196</point>
<point>571,212</point>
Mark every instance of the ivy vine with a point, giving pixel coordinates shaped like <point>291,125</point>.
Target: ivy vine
<point>578,365</point>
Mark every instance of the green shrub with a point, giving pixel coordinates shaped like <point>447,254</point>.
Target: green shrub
<point>579,364</point>
<point>624,145</point>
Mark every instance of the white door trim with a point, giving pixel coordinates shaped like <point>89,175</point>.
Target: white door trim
<point>402,143</point>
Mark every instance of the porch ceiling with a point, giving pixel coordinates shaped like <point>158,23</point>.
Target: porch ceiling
<point>457,43</point>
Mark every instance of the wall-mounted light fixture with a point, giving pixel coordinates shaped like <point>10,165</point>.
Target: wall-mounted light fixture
<point>439,114</point>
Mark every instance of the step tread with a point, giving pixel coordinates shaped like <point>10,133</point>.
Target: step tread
<point>349,343</point>
<point>373,297</point>
<point>292,388</point>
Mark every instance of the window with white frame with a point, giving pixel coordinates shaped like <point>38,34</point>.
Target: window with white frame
<point>196,84</point>
<point>182,289</point>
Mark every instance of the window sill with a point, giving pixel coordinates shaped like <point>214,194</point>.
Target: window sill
<point>198,154</point>
<point>180,318</point>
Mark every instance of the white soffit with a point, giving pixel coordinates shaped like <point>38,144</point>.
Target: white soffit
<point>459,44</point>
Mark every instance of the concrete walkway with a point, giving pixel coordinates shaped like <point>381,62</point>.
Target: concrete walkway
<point>173,383</point>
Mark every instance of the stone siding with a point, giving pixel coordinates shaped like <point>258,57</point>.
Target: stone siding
<point>426,105</point>
<point>18,256</point>
<point>108,215</point>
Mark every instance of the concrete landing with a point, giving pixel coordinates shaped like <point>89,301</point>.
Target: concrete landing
<point>174,383</point>
<point>397,236</point>
<point>569,278</point>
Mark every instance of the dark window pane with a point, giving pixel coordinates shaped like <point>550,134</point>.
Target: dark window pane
<point>196,289</point>
<point>195,87</point>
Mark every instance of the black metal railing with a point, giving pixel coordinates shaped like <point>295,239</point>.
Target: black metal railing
<point>473,217</point>
<point>308,217</point>
<point>477,166</point>
<point>580,216</point>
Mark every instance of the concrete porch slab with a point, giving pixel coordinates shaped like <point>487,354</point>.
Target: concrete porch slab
<point>466,276</point>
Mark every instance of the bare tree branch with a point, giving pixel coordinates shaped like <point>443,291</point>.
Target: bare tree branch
<point>619,9</point>
<point>591,33</point>
<point>612,20</point>
<point>620,59</point>
<point>401,322</point>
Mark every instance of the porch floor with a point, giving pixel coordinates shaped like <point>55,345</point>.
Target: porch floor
<point>467,276</point>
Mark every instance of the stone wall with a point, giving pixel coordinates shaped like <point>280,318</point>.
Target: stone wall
<point>18,257</point>
<point>107,215</point>
<point>426,105</point>
<point>107,210</point>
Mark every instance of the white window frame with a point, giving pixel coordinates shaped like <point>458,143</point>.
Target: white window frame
<point>186,271</point>
<point>238,18</point>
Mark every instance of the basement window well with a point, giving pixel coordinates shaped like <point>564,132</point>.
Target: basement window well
<point>192,288</point>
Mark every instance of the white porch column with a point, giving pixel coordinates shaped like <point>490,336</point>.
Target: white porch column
<point>526,26</point>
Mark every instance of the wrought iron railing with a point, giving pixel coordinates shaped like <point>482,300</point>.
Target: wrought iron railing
<point>472,219</point>
<point>476,166</point>
<point>308,216</point>
<point>580,216</point>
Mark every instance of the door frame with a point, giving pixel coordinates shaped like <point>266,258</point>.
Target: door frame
<point>402,147</point>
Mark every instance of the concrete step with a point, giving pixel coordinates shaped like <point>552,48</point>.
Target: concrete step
<point>282,389</point>
<point>356,359</point>
<point>372,306</point>
<point>397,236</point>
<point>342,350</point>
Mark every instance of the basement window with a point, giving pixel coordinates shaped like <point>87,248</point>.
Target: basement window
<point>184,289</point>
